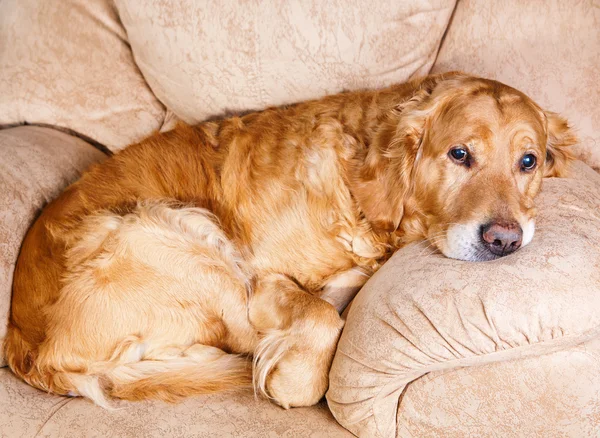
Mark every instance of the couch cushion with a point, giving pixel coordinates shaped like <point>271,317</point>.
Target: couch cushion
<point>27,412</point>
<point>204,59</point>
<point>549,49</point>
<point>67,63</point>
<point>423,313</point>
<point>556,395</point>
<point>35,165</point>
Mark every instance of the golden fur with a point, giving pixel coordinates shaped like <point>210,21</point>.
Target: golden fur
<point>163,268</point>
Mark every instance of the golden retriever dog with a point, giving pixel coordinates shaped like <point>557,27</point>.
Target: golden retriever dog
<point>164,269</point>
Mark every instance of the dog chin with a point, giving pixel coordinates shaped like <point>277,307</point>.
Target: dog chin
<point>477,253</point>
<point>470,253</point>
<point>462,243</point>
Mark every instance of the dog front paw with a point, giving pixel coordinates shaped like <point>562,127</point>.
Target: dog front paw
<point>292,372</point>
<point>297,381</point>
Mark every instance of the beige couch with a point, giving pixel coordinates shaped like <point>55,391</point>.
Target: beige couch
<point>432,347</point>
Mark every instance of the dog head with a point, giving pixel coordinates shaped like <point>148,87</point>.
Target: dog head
<point>460,163</point>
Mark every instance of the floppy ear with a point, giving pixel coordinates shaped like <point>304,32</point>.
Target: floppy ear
<point>380,176</point>
<point>560,138</point>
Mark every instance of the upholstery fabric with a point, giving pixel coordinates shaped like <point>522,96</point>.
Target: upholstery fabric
<point>210,58</point>
<point>549,49</point>
<point>423,313</point>
<point>35,165</point>
<point>26,412</point>
<point>550,396</point>
<point>67,63</point>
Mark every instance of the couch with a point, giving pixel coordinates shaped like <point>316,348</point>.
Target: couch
<point>431,347</point>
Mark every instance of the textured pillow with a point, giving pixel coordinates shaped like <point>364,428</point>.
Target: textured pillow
<point>67,63</point>
<point>549,49</point>
<point>204,59</point>
<point>36,164</point>
<point>425,314</point>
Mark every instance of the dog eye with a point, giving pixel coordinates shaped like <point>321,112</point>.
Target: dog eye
<point>528,162</point>
<point>459,154</point>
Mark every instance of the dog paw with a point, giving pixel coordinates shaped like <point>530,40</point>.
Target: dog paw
<point>296,381</point>
<point>292,372</point>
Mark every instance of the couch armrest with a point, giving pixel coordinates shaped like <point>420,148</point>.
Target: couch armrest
<point>423,314</point>
<point>35,166</point>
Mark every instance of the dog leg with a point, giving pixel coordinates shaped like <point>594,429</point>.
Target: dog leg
<point>299,333</point>
<point>341,289</point>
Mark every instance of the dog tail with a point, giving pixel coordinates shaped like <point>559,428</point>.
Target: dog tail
<point>168,376</point>
<point>178,377</point>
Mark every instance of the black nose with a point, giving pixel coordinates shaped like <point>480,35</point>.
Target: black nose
<point>502,238</point>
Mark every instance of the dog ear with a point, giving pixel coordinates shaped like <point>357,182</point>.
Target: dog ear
<point>381,174</point>
<point>558,152</point>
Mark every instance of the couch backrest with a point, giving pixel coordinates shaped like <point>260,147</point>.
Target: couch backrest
<point>67,63</point>
<point>74,63</point>
<point>206,59</point>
